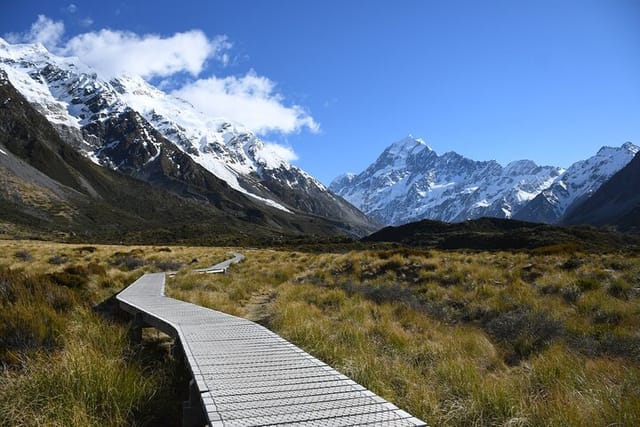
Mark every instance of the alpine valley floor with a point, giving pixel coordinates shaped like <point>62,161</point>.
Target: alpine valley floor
<point>532,337</point>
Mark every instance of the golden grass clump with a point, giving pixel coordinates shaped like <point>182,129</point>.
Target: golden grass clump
<point>88,382</point>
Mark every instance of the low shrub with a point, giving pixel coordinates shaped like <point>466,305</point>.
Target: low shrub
<point>89,249</point>
<point>587,283</point>
<point>571,293</point>
<point>572,264</point>
<point>620,288</point>
<point>74,281</point>
<point>168,265</point>
<point>58,260</point>
<point>23,256</point>
<point>523,332</point>
<point>128,262</point>
<point>610,317</point>
<point>86,270</point>
<point>382,293</point>
<point>530,273</point>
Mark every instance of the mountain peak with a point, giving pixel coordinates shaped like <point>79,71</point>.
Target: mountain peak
<point>630,146</point>
<point>404,185</point>
<point>341,181</point>
<point>627,147</point>
<point>407,145</point>
<point>521,165</point>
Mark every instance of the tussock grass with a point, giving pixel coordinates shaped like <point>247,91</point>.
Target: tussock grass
<point>520,339</point>
<point>63,365</point>
<point>89,382</point>
<point>32,311</point>
<point>543,338</point>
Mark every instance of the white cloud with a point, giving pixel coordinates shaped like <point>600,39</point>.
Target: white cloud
<point>72,8</point>
<point>116,52</point>
<point>249,100</point>
<point>44,30</point>
<point>280,151</point>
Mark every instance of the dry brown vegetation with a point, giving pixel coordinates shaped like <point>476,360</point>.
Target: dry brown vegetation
<point>457,338</point>
<point>549,338</point>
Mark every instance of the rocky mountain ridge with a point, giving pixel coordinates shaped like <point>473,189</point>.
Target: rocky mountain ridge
<point>616,202</point>
<point>409,181</point>
<point>132,127</point>
<point>48,189</point>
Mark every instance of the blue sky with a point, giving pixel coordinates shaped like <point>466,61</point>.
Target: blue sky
<point>338,81</point>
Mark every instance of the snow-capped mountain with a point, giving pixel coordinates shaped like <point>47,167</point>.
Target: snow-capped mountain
<point>410,181</point>
<point>578,183</point>
<point>131,126</point>
<point>616,202</point>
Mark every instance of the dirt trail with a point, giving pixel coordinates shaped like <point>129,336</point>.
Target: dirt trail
<point>260,307</point>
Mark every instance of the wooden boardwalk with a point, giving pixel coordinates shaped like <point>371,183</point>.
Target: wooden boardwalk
<point>245,375</point>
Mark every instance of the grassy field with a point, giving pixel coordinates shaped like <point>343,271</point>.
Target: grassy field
<point>62,363</point>
<point>537,338</point>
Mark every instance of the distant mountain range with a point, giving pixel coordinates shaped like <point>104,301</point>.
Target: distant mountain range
<point>409,181</point>
<point>83,155</point>
<point>132,128</point>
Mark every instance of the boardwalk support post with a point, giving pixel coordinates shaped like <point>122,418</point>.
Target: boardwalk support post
<point>135,332</point>
<point>176,351</point>
<point>192,411</point>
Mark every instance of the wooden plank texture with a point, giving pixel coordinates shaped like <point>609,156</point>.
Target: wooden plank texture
<point>246,375</point>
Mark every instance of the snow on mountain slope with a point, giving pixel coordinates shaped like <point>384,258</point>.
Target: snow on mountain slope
<point>22,64</point>
<point>74,98</point>
<point>229,150</point>
<point>579,181</point>
<point>409,181</point>
<point>616,202</point>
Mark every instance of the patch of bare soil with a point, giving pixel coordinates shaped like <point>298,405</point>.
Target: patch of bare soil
<point>259,309</point>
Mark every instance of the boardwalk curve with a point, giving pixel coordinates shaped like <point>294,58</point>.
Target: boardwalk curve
<point>245,375</point>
